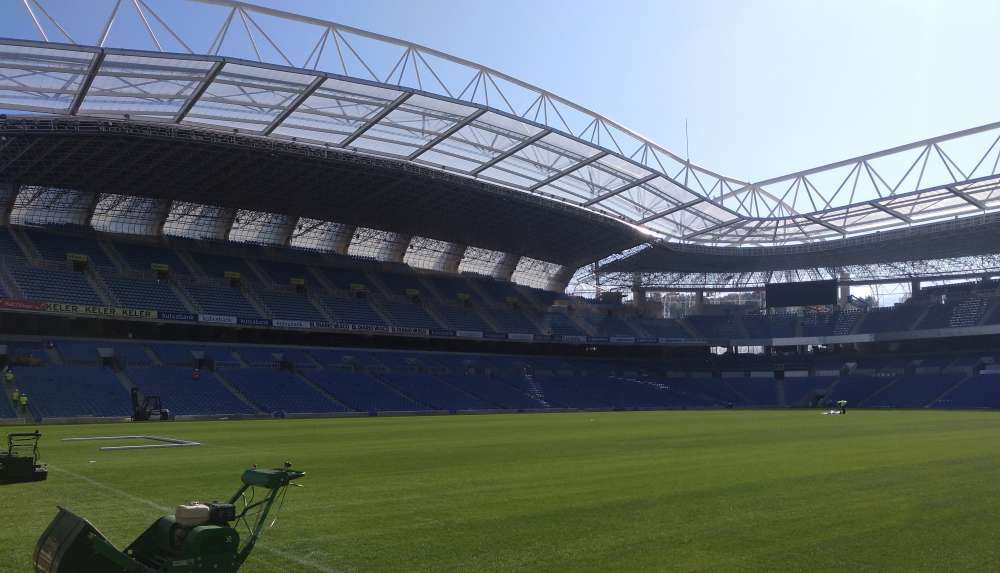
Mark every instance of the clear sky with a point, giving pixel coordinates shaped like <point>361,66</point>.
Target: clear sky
<point>767,86</point>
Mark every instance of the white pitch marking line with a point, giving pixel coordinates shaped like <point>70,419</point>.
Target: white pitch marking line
<point>122,493</point>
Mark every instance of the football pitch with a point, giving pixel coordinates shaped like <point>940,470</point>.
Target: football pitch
<point>628,491</point>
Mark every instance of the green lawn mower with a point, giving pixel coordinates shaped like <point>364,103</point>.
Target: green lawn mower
<point>19,463</point>
<point>197,538</point>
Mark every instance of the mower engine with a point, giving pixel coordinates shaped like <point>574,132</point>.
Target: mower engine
<point>198,537</point>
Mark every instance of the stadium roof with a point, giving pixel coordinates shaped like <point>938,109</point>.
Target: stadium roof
<point>331,87</point>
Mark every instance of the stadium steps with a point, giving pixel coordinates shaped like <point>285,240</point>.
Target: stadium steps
<point>859,321</point>
<point>920,318</point>
<point>97,284</point>
<point>27,247</point>
<point>320,307</point>
<point>114,256</point>
<point>232,390</point>
<point>485,317</point>
<point>254,299</point>
<point>153,358</point>
<point>376,281</point>
<point>183,296</point>
<point>324,282</point>
<point>192,266</point>
<point>124,380</point>
<point>262,277</point>
<point>53,356</point>
<point>530,297</point>
<point>323,392</point>
<point>376,305</point>
<point>428,286</point>
<point>485,296</point>
<point>583,325</point>
<point>948,391</point>
<point>7,282</point>
<point>238,358</point>
<point>377,377</point>
<point>535,390</point>
<point>433,313</point>
<point>883,388</point>
<point>741,395</point>
<point>691,330</point>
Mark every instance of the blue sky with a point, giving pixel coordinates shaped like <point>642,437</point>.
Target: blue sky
<point>767,86</point>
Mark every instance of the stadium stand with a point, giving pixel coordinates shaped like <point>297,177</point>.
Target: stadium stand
<point>274,390</point>
<point>73,391</point>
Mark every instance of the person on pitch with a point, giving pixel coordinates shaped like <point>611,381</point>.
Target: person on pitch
<point>842,404</point>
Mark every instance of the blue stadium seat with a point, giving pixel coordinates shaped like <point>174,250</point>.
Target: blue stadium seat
<point>62,286</point>
<point>183,395</point>
<point>73,391</point>
<point>273,390</point>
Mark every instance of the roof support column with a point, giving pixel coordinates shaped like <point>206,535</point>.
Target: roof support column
<point>453,258</point>
<point>845,290</point>
<point>505,268</point>
<point>560,280</point>
<point>395,249</point>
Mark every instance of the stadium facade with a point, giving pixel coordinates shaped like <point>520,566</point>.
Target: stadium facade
<point>281,180</point>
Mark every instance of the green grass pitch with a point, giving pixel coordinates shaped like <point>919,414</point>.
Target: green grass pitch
<point>638,491</point>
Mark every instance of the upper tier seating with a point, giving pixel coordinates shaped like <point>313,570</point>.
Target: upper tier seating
<point>225,300</point>
<point>8,246</point>
<point>409,315</point>
<point>216,266</point>
<point>54,247</point>
<point>142,293</point>
<point>141,257</point>
<point>289,305</point>
<point>62,286</point>
<point>352,310</point>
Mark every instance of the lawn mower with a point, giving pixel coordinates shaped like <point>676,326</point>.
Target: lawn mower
<point>19,463</point>
<point>197,538</point>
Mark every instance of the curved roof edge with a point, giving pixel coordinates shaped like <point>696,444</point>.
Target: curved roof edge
<point>550,146</point>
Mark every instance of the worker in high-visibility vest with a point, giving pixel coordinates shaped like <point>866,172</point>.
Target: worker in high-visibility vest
<point>15,396</point>
<point>24,403</point>
<point>8,375</point>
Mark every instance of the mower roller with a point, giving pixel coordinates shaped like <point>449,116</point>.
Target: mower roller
<point>198,538</point>
<point>19,463</point>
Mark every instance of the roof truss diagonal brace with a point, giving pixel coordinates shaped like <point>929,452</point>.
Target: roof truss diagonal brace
<point>447,133</point>
<point>95,66</point>
<point>622,189</point>
<point>376,118</point>
<point>302,97</point>
<point>510,152</point>
<point>823,223</point>
<point>213,72</point>
<point>666,212</point>
<point>567,171</point>
<point>892,212</point>
<point>968,199</point>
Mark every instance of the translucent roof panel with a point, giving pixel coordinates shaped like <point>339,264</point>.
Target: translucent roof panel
<point>144,87</point>
<point>41,79</point>
<point>335,111</point>
<point>412,124</point>
<point>247,98</point>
